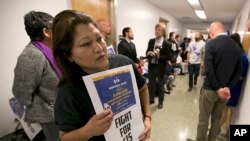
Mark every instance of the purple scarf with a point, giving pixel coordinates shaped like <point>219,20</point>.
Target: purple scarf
<point>49,55</point>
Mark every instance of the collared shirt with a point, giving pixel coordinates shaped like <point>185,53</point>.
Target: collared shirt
<point>223,33</point>
<point>159,42</point>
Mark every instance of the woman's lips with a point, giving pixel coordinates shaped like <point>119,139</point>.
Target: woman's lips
<point>101,57</point>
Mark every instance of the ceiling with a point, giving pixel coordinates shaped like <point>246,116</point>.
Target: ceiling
<point>216,10</point>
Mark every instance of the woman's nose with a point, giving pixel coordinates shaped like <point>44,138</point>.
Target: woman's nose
<point>98,47</point>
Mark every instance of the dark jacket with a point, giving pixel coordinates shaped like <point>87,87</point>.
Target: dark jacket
<point>166,52</point>
<point>128,49</point>
<point>222,63</point>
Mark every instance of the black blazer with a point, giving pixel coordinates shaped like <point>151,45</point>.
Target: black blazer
<point>128,49</point>
<point>166,52</point>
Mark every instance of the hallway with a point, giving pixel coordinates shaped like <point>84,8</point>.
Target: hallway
<point>178,119</point>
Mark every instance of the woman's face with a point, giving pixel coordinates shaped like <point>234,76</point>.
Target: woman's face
<point>89,49</point>
<point>158,32</point>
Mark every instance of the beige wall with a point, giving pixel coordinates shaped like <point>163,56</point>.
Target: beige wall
<point>242,113</point>
<point>142,17</point>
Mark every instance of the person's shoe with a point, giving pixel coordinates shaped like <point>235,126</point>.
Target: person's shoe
<point>189,89</point>
<point>160,106</point>
<point>167,92</point>
<point>190,140</point>
<point>195,82</point>
<point>170,89</point>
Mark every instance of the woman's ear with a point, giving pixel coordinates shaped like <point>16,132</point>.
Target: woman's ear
<point>47,32</point>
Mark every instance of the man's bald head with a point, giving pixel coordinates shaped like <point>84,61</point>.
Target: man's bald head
<point>215,29</point>
<point>104,27</point>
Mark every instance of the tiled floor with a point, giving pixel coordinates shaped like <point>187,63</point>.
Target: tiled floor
<point>178,119</point>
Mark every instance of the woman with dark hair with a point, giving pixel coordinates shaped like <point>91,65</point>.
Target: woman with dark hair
<point>79,50</point>
<point>36,74</point>
<point>175,46</point>
<point>236,38</point>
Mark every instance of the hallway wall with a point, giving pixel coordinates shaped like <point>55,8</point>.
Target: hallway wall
<point>242,113</point>
<point>142,17</point>
<point>13,40</point>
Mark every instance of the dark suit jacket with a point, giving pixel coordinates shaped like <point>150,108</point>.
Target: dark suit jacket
<point>222,63</point>
<point>128,49</point>
<point>166,52</point>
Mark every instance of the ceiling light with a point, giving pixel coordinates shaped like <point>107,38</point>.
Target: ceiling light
<point>201,14</point>
<point>195,4</point>
<point>197,7</point>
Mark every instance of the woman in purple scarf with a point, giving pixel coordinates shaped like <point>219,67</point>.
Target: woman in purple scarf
<point>36,74</point>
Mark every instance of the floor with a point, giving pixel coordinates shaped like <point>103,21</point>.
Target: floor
<point>178,119</point>
<point>21,136</point>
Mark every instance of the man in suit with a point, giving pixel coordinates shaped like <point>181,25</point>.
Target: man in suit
<point>223,70</point>
<point>126,46</point>
<point>158,52</point>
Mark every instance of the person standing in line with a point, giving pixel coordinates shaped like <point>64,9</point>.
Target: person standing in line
<point>37,75</point>
<point>105,29</point>
<point>80,50</point>
<point>223,70</point>
<point>183,44</point>
<point>159,52</point>
<point>174,46</point>
<point>194,58</point>
<point>183,54</point>
<point>178,40</point>
<point>126,47</point>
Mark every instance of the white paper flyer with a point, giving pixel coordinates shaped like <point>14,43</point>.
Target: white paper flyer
<point>31,129</point>
<point>110,50</point>
<point>117,89</point>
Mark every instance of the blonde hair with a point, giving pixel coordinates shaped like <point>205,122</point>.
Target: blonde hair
<point>162,27</point>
